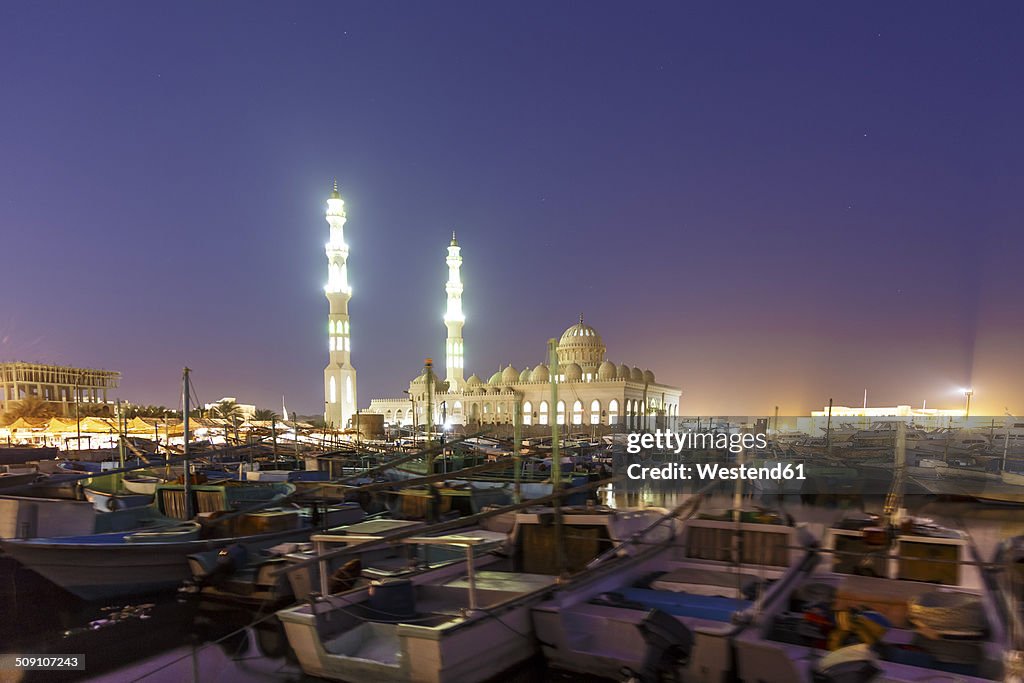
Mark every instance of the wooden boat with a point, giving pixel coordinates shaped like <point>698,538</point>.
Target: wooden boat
<point>670,612</point>
<point>108,493</point>
<point>432,626</point>
<point>10,480</point>
<point>907,603</point>
<point>105,565</point>
<point>238,574</point>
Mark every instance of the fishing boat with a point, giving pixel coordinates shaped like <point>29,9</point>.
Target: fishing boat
<point>103,565</point>
<point>670,612</point>
<point>433,625</point>
<point>241,575</point>
<point>108,493</point>
<point>895,599</point>
<point>901,603</point>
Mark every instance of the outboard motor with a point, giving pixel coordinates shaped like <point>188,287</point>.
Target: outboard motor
<point>669,644</point>
<point>229,560</point>
<point>852,664</point>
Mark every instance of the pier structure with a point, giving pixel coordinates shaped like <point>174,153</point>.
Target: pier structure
<point>59,385</point>
<point>339,375</point>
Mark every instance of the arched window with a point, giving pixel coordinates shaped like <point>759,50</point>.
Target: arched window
<point>334,391</point>
<point>577,413</point>
<point>349,391</point>
<point>543,417</point>
<point>457,408</point>
<point>613,411</point>
<point>595,412</point>
<point>560,413</point>
<point>387,415</point>
<point>527,413</point>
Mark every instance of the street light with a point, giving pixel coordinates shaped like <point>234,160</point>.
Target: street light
<point>967,410</point>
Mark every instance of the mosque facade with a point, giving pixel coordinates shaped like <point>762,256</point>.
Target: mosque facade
<point>592,390</point>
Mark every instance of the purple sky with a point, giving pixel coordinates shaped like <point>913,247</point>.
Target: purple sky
<point>765,203</point>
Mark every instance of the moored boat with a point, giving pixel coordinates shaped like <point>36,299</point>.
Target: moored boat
<point>431,626</point>
<point>670,612</point>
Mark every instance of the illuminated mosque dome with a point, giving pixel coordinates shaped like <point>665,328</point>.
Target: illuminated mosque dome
<point>606,371</point>
<point>540,374</point>
<point>581,344</point>
<point>509,375</point>
<point>524,376</point>
<point>573,373</point>
<point>622,372</point>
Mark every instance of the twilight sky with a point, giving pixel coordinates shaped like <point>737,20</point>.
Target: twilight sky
<point>765,203</point>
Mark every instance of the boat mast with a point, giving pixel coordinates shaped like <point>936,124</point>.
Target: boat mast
<point>517,441</point>
<point>556,458</point>
<point>188,472</point>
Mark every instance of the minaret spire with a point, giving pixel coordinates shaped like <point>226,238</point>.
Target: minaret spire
<point>453,317</point>
<point>339,375</point>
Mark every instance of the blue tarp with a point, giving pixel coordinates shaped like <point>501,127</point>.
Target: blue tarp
<point>711,607</point>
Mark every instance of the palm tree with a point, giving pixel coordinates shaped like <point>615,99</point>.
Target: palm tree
<point>147,411</point>
<point>265,415</point>
<point>230,412</point>
<point>30,406</point>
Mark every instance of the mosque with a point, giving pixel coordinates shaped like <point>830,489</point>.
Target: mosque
<point>592,390</point>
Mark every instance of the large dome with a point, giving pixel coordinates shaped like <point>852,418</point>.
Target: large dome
<point>473,381</point>
<point>606,371</point>
<point>623,372</point>
<point>581,344</point>
<point>495,379</point>
<point>524,376</point>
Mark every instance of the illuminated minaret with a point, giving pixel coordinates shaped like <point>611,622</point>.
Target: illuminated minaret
<point>339,375</point>
<point>453,318</point>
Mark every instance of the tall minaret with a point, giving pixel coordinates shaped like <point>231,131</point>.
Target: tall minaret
<point>453,318</point>
<point>339,375</point>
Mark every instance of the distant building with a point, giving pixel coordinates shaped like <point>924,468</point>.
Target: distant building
<point>57,384</point>
<point>863,417</point>
<point>893,411</point>
<point>247,411</point>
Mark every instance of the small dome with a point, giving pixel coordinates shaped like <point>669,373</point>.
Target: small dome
<point>509,375</point>
<point>474,381</point>
<point>648,376</point>
<point>524,376</point>
<point>573,372</point>
<point>606,371</point>
<point>540,374</point>
<point>495,379</point>
<point>636,374</point>
<point>623,372</point>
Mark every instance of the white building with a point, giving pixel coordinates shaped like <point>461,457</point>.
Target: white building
<point>592,390</point>
<point>339,375</point>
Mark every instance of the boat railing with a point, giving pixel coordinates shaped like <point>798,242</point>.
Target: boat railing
<point>322,541</point>
<point>688,508</point>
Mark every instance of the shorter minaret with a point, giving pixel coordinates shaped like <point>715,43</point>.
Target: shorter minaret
<point>454,319</point>
<point>339,375</point>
